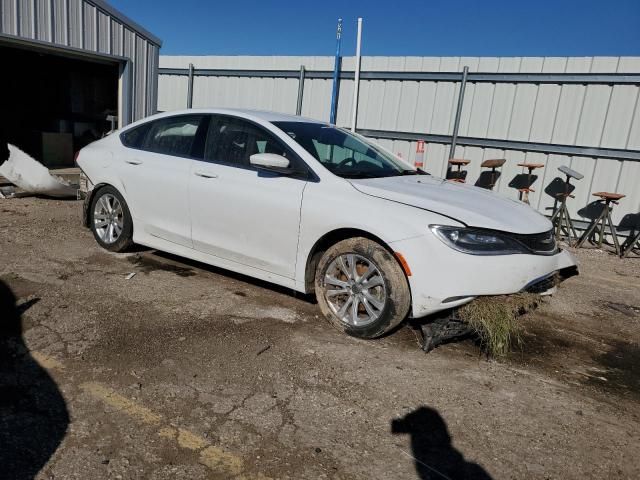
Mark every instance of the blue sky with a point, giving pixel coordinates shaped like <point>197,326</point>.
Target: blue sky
<point>411,27</point>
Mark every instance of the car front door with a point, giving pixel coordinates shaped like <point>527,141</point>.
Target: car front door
<point>156,175</point>
<point>239,213</point>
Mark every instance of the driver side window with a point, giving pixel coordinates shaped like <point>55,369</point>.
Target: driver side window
<point>233,140</point>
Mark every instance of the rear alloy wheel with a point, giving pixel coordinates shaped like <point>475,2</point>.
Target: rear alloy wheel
<point>361,288</point>
<point>110,220</point>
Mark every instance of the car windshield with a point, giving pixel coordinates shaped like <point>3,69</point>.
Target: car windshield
<point>343,153</point>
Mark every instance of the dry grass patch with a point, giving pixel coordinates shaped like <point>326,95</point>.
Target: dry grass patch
<point>495,320</point>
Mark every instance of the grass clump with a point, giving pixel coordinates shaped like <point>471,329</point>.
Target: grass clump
<point>495,320</point>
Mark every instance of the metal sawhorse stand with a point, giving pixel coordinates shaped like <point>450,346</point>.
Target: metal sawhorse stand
<point>561,219</point>
<point>631,244</point>
<point>603,220</point>
<point>458,175</point>
<point>525,191</point>
<point>493,175</point>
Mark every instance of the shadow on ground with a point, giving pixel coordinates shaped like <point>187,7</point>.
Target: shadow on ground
<point>621,369</point>
<point>153,260</point>
<point>434,455</point>
<point>33,413</point>
<point>614,372</point>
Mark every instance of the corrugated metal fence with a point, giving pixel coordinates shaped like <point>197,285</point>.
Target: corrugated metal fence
<point>582,112</point>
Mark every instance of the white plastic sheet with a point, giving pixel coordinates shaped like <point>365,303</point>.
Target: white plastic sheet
<point>33,177</point>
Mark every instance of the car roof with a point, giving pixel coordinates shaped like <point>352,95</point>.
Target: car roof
<point>247,113</point>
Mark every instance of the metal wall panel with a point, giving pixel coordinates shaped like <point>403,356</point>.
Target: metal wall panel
<point>95,27</point>
<point>117,37</point>
<point>60,22</point>
<point>76,25</point>
<point>596,115</point>
<point>90,24</point>
<point>103,33</point>
<point>43,19</point>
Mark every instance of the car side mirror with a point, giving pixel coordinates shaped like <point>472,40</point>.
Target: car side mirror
<point>273,163</point>
<point>269,161</point>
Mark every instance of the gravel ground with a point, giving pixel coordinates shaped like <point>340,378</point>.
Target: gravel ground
<point>185,371</point>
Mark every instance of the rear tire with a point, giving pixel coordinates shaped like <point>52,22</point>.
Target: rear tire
<point>110,220</point>
<point>358,271</point>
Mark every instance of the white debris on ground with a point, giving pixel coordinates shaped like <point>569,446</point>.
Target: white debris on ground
<point>31,176</point>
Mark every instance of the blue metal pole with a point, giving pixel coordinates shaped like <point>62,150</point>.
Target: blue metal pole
<point>336,66</point>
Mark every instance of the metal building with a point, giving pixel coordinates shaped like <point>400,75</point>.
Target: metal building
<point>71,70</point>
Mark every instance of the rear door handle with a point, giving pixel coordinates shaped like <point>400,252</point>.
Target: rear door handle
<point>134,162</point>
<point>202,174</point>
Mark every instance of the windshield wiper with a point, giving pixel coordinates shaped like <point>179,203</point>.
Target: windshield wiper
<point>417,171</point>
<point>358,174</point>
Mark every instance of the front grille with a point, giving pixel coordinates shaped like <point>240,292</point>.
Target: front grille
<point>543,243</point>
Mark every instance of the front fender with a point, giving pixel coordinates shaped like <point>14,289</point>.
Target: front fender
<point>329,208</point>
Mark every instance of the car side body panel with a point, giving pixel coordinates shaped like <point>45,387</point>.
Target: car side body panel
<point>247,216</point>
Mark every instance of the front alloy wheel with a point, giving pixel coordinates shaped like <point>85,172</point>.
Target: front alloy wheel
<point>361,288</point>
<point>354,289</point>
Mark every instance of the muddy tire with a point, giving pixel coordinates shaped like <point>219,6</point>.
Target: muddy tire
<point>110,220</point>
<point>361,288</point>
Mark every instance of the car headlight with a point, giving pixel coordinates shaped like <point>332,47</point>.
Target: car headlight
<point>477,241</point>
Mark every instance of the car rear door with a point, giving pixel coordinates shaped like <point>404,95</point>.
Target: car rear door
<point>156,177</point>
<point>240,213</point>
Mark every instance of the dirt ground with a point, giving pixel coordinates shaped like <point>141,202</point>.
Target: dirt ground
<point>185,371</point>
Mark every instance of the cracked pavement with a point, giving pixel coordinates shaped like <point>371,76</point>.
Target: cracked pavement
<point>185,371</point>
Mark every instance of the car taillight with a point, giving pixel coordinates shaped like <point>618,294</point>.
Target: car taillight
<point>75,158</point>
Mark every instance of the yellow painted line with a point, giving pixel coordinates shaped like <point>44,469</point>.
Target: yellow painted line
<point>217,459</point>
<point>121,403</point>
<point>213,457</point>
<point>191,441</point>
<point>47,362</point>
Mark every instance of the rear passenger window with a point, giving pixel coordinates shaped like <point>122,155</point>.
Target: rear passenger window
<point>133,138</point>
<point>172,135</point>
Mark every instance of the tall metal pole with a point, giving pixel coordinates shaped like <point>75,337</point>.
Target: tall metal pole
<point>456,124</point>
<point>190,87</point>
<point>336,67</point>
<point>356,79</point>
<point>300,91</point>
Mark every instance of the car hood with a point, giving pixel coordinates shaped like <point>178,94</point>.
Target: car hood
<point>473,206</point>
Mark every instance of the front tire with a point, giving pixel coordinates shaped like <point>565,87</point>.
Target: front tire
<point>361,288</point>
<point>110,220</point>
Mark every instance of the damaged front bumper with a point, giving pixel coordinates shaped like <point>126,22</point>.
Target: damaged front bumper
<point>443,278</point>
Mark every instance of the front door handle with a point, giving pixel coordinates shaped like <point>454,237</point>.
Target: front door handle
<point>202,174</point>
<point>134,162</point>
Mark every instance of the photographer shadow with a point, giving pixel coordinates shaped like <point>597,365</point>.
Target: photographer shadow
<point>33,413</point>
<point>434,455</point>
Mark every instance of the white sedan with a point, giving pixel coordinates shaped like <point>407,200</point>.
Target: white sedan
<point>315,208</point>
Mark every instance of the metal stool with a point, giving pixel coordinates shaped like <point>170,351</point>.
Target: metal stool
<point>493,164</point>
<point>603,219</point>
<point>561,219</point>
<point>460,174</point>
<point>524,192</point>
